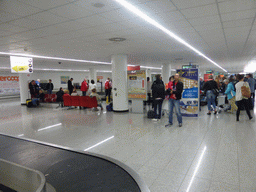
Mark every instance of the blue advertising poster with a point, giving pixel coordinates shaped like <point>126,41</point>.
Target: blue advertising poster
<point>190,97</point>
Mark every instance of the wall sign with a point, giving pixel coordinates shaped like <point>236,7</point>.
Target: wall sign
<point>21,64</point>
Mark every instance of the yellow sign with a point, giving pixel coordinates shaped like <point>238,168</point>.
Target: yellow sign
<point>137,84</point>
<point>20,68</point>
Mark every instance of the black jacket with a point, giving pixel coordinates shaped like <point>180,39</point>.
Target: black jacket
<point>70,86</point>
<point>158,89</point>
<point>49,86</point>
<point>179,89</point>
<point>210,85</point>
<point>60,94</point>
<point>34,89</point>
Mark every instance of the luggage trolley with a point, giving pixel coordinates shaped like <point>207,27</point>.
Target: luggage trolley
<point>221,101</point>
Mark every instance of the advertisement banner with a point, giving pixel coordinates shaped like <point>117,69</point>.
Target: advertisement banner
<point>64,79</point>
<point>9,85</point>
<point>137,81</point>
<point>21,64</point>
<point>190,97</point>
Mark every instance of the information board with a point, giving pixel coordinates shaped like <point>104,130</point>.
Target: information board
<point>137,84</point>
<point>190,97</point>
<point>21,64</point>
<point>64,79</point>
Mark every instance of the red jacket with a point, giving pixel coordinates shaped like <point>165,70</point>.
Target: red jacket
<point>107,86</point>
<point>84,86</point>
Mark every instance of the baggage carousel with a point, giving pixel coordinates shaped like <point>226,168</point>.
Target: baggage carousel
<point>68,170</point>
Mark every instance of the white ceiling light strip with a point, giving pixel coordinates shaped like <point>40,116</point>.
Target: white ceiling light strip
<point>165,30</point>
<point>54,58</point>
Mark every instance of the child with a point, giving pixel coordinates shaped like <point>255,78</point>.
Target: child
<point>94,94</point>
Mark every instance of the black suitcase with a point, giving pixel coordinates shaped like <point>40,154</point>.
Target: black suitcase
<point>151,114</point>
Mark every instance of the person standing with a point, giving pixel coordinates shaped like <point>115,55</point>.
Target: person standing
<point>175,89</point>
<point>209,89</point>
<point>149,85</point>
<point>92,86</point>
<point>107,89</point>
<point>240,99</point>
<point>34,89</point>
<point>70,86</point>
<point>231,94</point>
<point>49,87</point>
<point>158,94</point>
<point>84,87</point>
<point>38,83</point>
<point>251,82</point>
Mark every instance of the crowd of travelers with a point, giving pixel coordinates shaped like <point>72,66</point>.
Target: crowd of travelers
<point>238,89</point>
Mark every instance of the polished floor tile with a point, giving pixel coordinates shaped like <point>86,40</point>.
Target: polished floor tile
<point>208,153</point>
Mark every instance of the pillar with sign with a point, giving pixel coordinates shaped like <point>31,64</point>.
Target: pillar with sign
<point>24,66</point>
<point>137,89</point>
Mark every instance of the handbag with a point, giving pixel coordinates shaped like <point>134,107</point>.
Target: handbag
<point>215,91</point>
<point>245,91</point>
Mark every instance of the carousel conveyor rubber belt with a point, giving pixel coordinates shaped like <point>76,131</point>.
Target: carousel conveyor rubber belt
<point>69,170</point>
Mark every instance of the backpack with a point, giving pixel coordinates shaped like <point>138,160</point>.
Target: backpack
<point>109,107</point>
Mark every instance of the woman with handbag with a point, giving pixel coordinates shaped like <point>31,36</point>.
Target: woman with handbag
<point>211,90</point>
<point>231,94</point>
<point>242,94</point>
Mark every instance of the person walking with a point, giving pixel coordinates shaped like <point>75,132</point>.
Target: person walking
<point>70,86</point>
<point>209,89</point>
<point>84,87</point>
<point>158,94</point>
<point>231,94</point>
<point>49,87</point>
<point>251,82</point>
<point>175,90</point>
<point>242,101</point>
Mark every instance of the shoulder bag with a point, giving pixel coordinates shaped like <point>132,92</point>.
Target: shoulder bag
<point>245,91</point>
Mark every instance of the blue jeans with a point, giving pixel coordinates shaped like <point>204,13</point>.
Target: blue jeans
<point>210,99</point>
<point>49,91</point>
<point>176,104</point>
<point>158,103</point>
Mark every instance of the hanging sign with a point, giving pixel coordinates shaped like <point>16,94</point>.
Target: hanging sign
<point>21,64</point>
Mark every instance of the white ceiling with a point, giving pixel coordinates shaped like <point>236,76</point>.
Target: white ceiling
<point>224,30</point>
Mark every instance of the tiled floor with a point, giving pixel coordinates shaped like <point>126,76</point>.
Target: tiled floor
<point>209,153</point>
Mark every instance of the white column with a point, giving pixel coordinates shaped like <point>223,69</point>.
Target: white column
<point>119,83</point>
<point>149,74</point>
<point>166,72</point>
<point>24,95</point>
<point>93,75</point>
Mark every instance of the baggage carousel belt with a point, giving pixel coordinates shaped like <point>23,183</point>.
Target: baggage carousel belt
<point>68,170</point>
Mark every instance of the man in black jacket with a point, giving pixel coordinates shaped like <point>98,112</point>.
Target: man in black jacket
<point>174,100</point>
<point>49,87</point>
<point>34,89</point>
<point>158,93</point>
<point>70,86</point>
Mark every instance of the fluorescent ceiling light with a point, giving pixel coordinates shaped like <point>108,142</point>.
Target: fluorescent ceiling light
<point>197,166</point>
<point>21,135</point>
<point>104,71</point>
<point>99,143</point>
<point>250,67</point>
<point>54,58</point>
<point>50,127</point>
<point>142,15</point>
<point>73,70</point>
